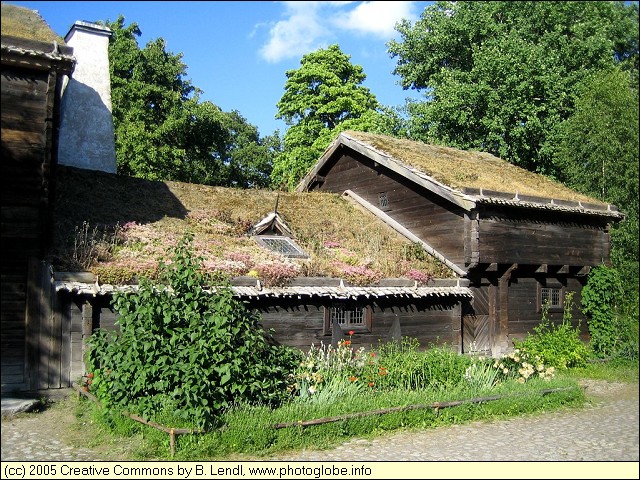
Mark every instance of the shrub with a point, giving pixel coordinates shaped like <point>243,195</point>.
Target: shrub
<point>613,330</point>
<point>187,350</point>
<point>553,345</point>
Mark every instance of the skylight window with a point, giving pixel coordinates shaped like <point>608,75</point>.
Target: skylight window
<point>282,245</point>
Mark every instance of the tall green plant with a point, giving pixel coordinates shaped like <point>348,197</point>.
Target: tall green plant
<point>601,300</point>
<point>185,349</point>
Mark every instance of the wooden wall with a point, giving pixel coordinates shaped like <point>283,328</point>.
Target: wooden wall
<point>431,322</point>
<point>436,221</point>
<point>524,311</point>
<point>553,238</point>
<point>27,139</point>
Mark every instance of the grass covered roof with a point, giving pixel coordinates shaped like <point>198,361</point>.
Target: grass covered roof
<point>119,227</point>
<point>26,23</point>
<point>460,169</point>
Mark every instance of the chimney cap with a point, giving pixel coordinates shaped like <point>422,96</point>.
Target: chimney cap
<point>89,27</point>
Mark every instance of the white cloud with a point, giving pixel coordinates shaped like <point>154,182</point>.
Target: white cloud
<point>297,34</point>
<point>376,18</point>
<point>308,26</point>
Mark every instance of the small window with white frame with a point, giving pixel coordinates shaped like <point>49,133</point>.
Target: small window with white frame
<point>348,317</point>
<point>283,245</point>
<point>383,201</point>
<point>552,296</point>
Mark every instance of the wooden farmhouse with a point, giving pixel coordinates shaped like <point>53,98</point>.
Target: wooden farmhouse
<point>385,238</point>
<point>518,238</point>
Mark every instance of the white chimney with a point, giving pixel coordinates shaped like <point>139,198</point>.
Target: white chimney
<point>86,138</point>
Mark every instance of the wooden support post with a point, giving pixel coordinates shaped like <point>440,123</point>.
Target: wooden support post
<point>87,329</point>
<point>503,308</point>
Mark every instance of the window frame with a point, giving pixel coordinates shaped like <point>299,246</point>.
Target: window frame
<point>550,288</point>
<point>364,327</point>
<point>300,252</point>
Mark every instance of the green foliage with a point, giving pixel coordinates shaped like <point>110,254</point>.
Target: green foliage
<point>164,132</point>
<point>322,98</point>
<point>499,76</point>
<point>612,324</point>
<point>183,349</point>
<point>598,150</point>
<point>555,345</point>
<point>438,367</point>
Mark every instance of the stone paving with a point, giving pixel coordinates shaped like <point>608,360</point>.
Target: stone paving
<point>606,430</point>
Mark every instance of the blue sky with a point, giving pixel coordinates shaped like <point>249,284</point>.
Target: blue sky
<point>237,52</point>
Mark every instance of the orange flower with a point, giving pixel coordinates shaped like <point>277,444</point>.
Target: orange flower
<point>351,332</point>
<point>382,371</point>
<point>352,378</point>
<point>373,354</point>
<point>347,342</point>
<point>371,384</point>
<point>90,375</point>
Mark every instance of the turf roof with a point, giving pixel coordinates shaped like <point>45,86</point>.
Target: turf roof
<point>118,227</point>
<point>26,23</point>
<point>461,169</point>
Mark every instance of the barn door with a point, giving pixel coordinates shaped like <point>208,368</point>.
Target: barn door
<point>476,327</point>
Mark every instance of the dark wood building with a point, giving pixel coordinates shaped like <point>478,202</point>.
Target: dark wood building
<point>519,239</point>
<point>32,73</point>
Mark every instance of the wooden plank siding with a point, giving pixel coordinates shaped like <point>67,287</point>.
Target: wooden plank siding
<point>298,324</point>
<point>436,221</point>
<point>525,313</point>
<point>28,113</point>
<point>552,240</point>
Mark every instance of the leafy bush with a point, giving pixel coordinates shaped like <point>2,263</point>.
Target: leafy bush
<point>184,349</point>
<point>553,345</point>
<point>613,329</point>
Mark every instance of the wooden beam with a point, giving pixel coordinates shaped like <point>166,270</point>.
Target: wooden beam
<point>583,271</point>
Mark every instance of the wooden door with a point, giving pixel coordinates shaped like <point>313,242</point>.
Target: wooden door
<point>476,327</point>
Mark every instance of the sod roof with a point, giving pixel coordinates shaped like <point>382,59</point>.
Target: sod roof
<point>26,23</point>
<point>461,169</point>
<point>119,227</point>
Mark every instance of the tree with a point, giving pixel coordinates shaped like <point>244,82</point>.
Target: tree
<point>499,76</point>
<point>164,132</point>
<point>323,97</point>
<point>597,154</point>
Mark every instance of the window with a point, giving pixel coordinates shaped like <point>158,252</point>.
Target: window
<point>282,245</point>
<point>349,317</point>
<point>383,201</point>
<point>554,296</point>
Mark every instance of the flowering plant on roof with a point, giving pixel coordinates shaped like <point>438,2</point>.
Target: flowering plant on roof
<point>277,273</point>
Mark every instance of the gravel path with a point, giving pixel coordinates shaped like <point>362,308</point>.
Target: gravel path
<point>606,430</point>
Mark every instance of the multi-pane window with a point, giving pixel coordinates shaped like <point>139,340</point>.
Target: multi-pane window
<point>552,297</point>
<point>348,317</point>
<point>282,245</point>
<point>383,201</point>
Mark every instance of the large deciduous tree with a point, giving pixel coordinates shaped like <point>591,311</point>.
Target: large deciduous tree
<point>323,97</point>
<point>598,152</point>
<point>164,132</point>
<point>500,76</point>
